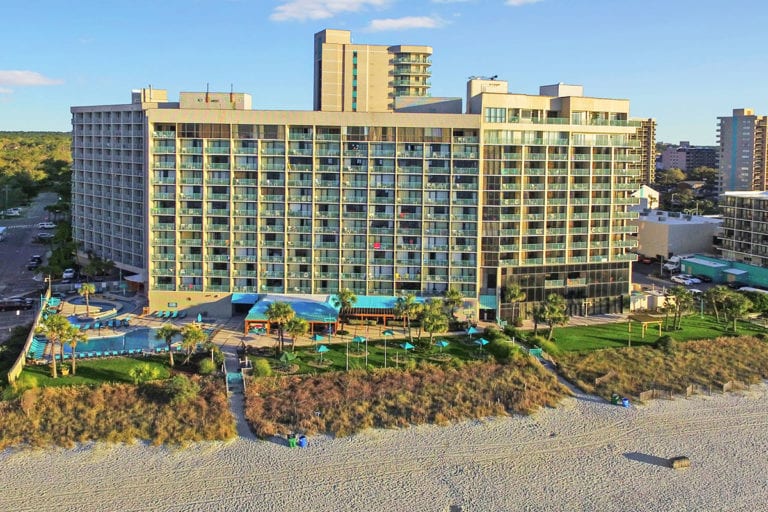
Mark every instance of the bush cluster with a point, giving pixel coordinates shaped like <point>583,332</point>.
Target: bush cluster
<point>117,413</point>
<point>342,403</point>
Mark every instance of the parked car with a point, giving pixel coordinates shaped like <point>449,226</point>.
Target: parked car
<point>13,212</point>
<point>69,273</point>
<point>694,280</point>
<point>46,225</point>
<point>37,258</point>
<point>32,265</point>
<point>44,237</point>
<point>704,279</point>
<point>681,280</point>
<point>14,305</point>
<point>735,285</point>
<point>26,300</point>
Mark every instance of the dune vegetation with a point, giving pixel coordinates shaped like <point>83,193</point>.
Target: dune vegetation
<point>670,366</point>
<point>175,411</point>
<point>342,403</point>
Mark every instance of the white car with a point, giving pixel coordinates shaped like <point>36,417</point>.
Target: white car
<point>69,273</point>
<point>681,280</point>
<point>693,280</point>
<point>13,212</point>
<point>46,225</point>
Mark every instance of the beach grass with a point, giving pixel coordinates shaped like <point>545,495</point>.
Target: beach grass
<point>632,370</point>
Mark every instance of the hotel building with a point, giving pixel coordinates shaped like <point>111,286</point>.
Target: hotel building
<point>743,154</point>
<point>205,197</point>
<point>745,227</point>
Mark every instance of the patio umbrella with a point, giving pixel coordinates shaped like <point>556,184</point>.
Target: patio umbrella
<point>359,340</point>
<point>385,333</point>
<point>199,318</point>
<point>322,349</point>
<point>406,346</point>
<point>481,341</point>
<point>317,337</point>
<point>442,344</point>
<point>472,330</point>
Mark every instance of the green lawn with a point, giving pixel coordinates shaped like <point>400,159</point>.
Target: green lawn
<point>93,371</point>
<point>459,347</point>
<point>593,337</point>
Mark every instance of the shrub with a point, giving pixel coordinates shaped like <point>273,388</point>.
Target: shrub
<point>499,349</point>
<point>261,368</point>
<point>206,366</point>
<point>548,346</point>
<point>144,372</point>
<point>511,332</point>
<point>667,344</point>
<point>180,389</point>
<point>518,321</point>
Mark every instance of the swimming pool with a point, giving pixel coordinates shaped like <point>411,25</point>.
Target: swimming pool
<point>136,341</point>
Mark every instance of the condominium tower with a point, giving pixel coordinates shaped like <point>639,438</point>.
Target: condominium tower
<point>745,227</point>
<point>743,154</point>
<point>206,197</point>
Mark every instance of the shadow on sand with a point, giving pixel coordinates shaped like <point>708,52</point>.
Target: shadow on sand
<point>648,459</point>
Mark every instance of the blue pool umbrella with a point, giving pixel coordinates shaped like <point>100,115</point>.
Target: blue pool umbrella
<point>442,344</point>
<point>359,340</point>
<point>199,318</point>
<point>322,349</point>
<point>318,337</point>
<point>472,330</point>
<point>406,346</point>
<point>385,333</point>
<point>481,341</point>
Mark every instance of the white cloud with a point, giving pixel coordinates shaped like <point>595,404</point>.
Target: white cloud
<point>321,9</point>
<point>518,3</point>
<point>5,90</point>
<point>21,78</point>
<point>406,23</point>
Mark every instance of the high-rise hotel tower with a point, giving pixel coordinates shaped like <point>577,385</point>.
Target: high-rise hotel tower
<point>206,197</point>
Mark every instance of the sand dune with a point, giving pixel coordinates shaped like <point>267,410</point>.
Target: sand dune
<point>585,455</point>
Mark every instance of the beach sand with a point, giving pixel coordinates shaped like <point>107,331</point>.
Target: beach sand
<point>584,455</point>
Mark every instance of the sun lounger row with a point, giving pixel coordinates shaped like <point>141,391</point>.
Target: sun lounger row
<point>112,324</point>
<point>170,314</point>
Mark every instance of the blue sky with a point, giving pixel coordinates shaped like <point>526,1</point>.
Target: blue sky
<point>683,62</point>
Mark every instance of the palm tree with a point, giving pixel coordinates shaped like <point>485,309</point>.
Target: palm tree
<point>513,294</point>
<point>280,313</point>
<point>552,312</point>
<point>433,318</point>
<point>191,336</point>
<point>681,300</point>
<point>715,296</point>
<point>72,336</point>
<point>54,328</point>
<point>344,300</point>
<point>736,306</point>
<point>453,299</point>
<point>407,308</point>
<point>167,332</point>
<point>86,290</point>
<point>296,327</point>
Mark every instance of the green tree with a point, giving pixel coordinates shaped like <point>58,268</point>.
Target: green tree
<point>453,299</point>
<point>706,174</point>
<point>144,372</point>
<point>552,313</point>
<point>191,336</point>
<point>715,297</point>
<point>73,336</point>
<point>736,306</point>
<point>280,313</point>
<point>85,291</point>
<point>407,308</point>
<point>679,301</point>
<point>167,332</point>
<point>433,318</point>
<point>54,327</point>
<point>511,293</point>
<point>670,177</point>
<point>344,300</point>
<point>296,327</point>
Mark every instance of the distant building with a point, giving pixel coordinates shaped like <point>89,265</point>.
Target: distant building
<point>646,134</point>
<point>743,164</point>
<point>745,227</point>
<point>663,234</point>
<point>649,199</point>
<point>686,157</point>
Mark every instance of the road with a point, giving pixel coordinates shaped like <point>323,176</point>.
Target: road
<point>15,251</point>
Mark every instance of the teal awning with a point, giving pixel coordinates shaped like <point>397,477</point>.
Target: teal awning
<point>488,302</point>
<point>245,298</point>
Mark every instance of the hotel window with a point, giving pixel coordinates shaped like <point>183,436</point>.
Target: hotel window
<point>495,115</point>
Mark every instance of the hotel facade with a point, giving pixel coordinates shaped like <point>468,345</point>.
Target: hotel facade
<point>206,198</point>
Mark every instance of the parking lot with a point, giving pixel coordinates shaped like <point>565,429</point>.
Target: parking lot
<point>19,246</point>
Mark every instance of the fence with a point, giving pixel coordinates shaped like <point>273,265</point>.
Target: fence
<point>15,370</point>
<point>605,378</point>
<point>733,385</point>
<point>654,393</point>
<point>698,389</point>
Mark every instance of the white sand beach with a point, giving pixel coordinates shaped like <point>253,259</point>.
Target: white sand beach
<point>584,455</point>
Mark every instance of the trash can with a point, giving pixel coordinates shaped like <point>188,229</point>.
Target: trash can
<point>625,402</point>
<point>303,442</point>
<point>291,440</point>
<point>615,399</point>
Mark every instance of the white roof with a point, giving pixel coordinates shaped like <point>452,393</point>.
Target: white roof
<point>735,271</point>
<point>705,263</point>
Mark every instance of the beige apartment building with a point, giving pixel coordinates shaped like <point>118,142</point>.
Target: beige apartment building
<point>206,198</point>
